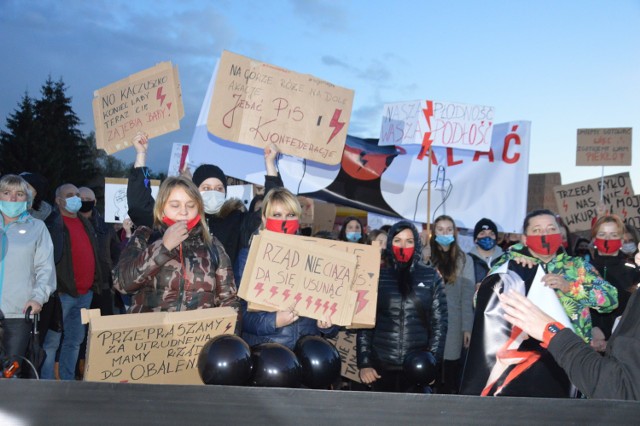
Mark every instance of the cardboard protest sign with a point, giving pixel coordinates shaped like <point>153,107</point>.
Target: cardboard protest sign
<point>540,194</point>
<point>116,206</point>
<point>628,208</point>
<point>154,347</point>
<point>149,101</point>
<point>318,215</point>
<point>437,123</point>
<point>604,147</point>
<point>577,202</point>
<point>284,272</point>
<point>366,279</point>
<point>345,343</point>
<point>255,103</point>
<point>178,159</point>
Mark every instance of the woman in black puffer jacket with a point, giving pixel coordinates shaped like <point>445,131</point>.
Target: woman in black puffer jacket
<point>411,316</point>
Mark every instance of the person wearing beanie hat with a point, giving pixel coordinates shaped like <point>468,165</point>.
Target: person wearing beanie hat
<point>223,217</point>
<point>486,250</point>
<point>411,319</point>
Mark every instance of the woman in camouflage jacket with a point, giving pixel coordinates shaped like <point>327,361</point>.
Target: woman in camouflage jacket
<point>179,266</point>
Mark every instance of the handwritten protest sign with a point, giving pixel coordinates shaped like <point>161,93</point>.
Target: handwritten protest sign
<point>604,147</point>
<point>155,347</point>
<point>577,202</point>
<point>628,208</point>
<point>436,123</point>
<point>178,159</point>
<point>366,279</point>
<point>116,206</point>
<point>345,343</point>
<point>255,103</point>
<point>284,271</point>
<point>148,101</point>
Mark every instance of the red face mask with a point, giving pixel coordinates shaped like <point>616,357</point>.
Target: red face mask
<point>282,226</point>
<point>608,246</point>
<point>190,224</point>
<point>544,244</point>
<point>401,254</point>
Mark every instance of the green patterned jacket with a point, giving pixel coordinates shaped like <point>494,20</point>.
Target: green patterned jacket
<point>588,290</point>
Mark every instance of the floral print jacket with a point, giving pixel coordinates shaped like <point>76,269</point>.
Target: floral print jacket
<point>587,289</point>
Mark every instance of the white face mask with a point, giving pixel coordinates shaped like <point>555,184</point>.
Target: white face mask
<point>213,201</point>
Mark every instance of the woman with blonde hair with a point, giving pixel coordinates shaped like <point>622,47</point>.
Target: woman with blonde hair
<point>177,265</point>
<point>281,213</point>
<point>27,271</point>
<point>611,263</point>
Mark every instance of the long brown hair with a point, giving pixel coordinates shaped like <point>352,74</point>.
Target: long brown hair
<point>446,261</point>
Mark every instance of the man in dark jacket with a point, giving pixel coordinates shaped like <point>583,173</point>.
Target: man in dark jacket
<point>485,251</point>
<point>78,274</point>
<point>411,315</point>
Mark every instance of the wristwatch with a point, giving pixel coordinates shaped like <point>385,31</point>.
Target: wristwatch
<point>550,330</point>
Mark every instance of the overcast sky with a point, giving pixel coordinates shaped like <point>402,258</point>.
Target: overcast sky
<point>563,65</point>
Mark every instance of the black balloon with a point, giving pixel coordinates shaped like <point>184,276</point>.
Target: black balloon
<point>225,360</point>
<point>420,367</point>
<point>274,365</point>
<point>320,362</point>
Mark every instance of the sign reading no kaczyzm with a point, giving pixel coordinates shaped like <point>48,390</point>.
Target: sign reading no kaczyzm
<point>255,103</point>
<point>149,101</point>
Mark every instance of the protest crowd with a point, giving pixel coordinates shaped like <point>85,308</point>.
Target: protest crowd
<point>540,313</point>
<point>429,289</point>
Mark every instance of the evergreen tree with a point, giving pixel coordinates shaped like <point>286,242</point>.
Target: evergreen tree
<point>67,153</point>
<point>17,144</point>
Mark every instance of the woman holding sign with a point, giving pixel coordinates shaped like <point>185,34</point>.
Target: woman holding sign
<point>281,213</point>
<point>177,265</point>
<point>223,219</point>
<point>401,352</point>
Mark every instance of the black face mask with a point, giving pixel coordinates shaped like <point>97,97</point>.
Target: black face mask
<point>87,206</point>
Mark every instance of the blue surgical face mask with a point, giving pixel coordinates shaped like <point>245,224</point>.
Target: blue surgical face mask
<point>13,208</point>
<point>486,243</point>
<point>354,236</point>
<point>73,204</point>
<point>445,240</point>
<point>629,248</point>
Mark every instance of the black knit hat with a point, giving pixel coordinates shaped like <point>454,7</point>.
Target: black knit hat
<point>482,225</point>
<point>207,171</point>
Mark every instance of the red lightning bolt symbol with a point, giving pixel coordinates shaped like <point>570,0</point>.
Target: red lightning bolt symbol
<point>274,291</point>
<point>227,329</point>
<point>286,294</point>
<point>624,212</point>
<point>626,191</point>
<point>333,309</point>
<point>160,96</point>
<point>426,139</point>
<point>362,301</point>
<point>309,300</point>
<point>298,297</point>
<point>259,289</point>
<point>565,205</point>
<point>337,125</point>
<point>318,304</point>
<point>326,306</point>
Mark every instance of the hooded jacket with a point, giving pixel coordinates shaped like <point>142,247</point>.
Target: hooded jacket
<point>405,323</point>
